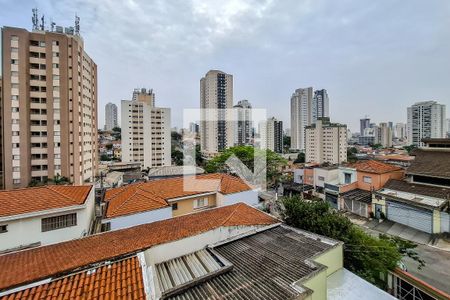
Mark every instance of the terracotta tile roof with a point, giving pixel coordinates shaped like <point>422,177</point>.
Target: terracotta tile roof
<point>28,200</point>
<point>38,263</point>
<point>154,194</point>
<point>431,162</point>
<point>373,166</point>
<point>121,279</point>
<point>132,199</point>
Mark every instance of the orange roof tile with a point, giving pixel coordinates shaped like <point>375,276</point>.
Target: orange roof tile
<point>120,279</point>
<point>373,166</point>
<point>154,194</point>
<point>26,266</point>
<point>27,200</point>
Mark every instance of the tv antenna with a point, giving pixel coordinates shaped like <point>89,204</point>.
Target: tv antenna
<point>52,25</point>
<point>77,25</point>
<point>34,19</point>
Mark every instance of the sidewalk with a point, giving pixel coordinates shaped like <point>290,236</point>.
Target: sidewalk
<point>396,229</point>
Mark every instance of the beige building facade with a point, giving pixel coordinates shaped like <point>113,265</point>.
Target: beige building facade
<point>326,142</point>
<point>145,131</point>
<point>49,111</point>
<point>216,126</point>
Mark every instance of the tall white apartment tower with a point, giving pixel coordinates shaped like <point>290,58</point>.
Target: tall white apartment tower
<point>49,107</point>
<point>301,116</point>
<point>110,116</point>
<point>216,128</point>
<point>244,125</point>
<point>425,120</point>
<point>271,132</point>
<point>145,131</point>
<point>321,105</point>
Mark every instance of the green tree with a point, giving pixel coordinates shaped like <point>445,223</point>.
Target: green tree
<point>177,157</point>
<point>377,146</point>
<point>274,162</point>
<point>104,157</point>
<point>286,143</point>
<point>58,180</point>
<point>351,157</point>
<point>364,254</point>
<point>117,129</point>
<point>300,158</point>
<point>410,148</point>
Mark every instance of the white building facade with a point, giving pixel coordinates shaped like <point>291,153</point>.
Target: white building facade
<point>48,226</point>
<point>146,134</point>
<point>426,120</point>
<point>243,129</point>
<point>301,116</point>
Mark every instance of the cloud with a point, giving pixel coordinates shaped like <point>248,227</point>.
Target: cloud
<point>374,57</point>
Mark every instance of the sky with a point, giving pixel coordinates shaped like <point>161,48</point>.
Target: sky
<point>375,58</point>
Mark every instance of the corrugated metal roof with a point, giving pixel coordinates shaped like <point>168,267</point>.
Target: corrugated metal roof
<point>265,265</point>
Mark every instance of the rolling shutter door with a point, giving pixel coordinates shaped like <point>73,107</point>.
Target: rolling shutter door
<point>413,217</point>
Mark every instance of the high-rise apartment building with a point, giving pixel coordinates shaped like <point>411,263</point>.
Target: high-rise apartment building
<point>146,134</point>
<point>383,135</point>
<point>110,116</point>
<point>301,116</point>
<point>244,126</point>
<point>425,120</point>
<point>216,120</point>
<point>49,108</point>
<point>321,105</point>
<point>326,142</point>
<point>271,132</point>
<point>400,131</point>
<point>448,125</point>
<point>364,123</point>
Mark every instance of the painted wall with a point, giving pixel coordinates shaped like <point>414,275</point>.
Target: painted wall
<point>378,180</point>
<point>186,206</point>
<point>328,175</point>
<point>298,175</point>
<point>351,171</point>
<point>27,231</point>
<point>318,284</point>
<point>141,218</point>
<point>248,197</point>
<point>333,259</point>
<point>308,176</point>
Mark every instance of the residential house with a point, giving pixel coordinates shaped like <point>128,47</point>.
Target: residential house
<point>422,200</point>
<point>352,191</point>
<point>228,252</point>
<point>161,199</point>
<point>44,215</point>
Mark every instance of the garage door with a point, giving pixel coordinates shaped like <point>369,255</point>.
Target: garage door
<point>356,207</point>
<point>410,216</point>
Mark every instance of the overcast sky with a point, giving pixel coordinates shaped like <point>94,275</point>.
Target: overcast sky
<point>374,57</point>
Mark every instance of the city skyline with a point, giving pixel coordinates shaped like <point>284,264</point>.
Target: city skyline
<point>265,63</point>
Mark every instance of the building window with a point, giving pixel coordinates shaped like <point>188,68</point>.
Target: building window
<point>367,179</point>
<point>3,228</point>
<point>321,178</point>
<point>348,177</point>
<point>199,203</point>
<point>16,181</point>
<point>59,222</point>
<point>175,206</point>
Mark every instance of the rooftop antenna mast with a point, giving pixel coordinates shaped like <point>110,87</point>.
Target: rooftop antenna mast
<point>77,25</point>
<point>34,19</point>
<point>43,22</point>
<point>52,25</point>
